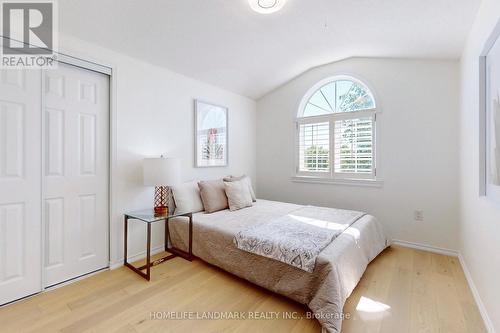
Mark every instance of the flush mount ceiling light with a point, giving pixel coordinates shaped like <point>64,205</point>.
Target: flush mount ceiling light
<point>266,6</point>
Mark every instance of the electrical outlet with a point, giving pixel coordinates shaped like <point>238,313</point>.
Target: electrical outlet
<point>418,215</point>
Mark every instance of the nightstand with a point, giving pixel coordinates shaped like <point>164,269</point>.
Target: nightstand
<point>148,216</point>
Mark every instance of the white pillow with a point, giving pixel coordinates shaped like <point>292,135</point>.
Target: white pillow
<point>187,198</point>
<point>245,179</point>
<point>238,194</point>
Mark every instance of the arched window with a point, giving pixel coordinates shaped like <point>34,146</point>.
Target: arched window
<point>336,130</point>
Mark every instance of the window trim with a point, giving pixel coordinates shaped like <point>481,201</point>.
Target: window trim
<point>347,182</point>
<point>332,177</point>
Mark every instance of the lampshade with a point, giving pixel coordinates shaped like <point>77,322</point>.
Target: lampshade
<point>161,171</point>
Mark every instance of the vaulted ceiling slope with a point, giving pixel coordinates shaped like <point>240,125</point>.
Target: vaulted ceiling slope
<point>225,43</point>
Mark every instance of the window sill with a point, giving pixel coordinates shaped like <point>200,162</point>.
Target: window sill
<point>378,183</point>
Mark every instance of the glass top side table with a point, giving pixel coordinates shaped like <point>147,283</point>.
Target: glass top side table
<point>148,216</point>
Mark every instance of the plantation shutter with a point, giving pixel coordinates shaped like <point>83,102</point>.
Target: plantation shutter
<point>314,147</point>
<point>353,144</point>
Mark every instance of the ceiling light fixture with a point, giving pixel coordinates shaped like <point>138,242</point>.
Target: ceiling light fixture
<point>266,6</point>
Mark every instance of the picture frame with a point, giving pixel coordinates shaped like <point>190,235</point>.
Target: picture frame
<point>211,134</point>
<point>489,117</point>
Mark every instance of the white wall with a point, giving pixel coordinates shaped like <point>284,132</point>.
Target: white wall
<point>155,115</point>
<point>480,218</point>
<point>418,147</point>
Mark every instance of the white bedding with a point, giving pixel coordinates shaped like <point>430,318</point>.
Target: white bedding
<point>338,267</point>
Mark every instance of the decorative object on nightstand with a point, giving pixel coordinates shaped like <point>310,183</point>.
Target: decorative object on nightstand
<point>161,172</point>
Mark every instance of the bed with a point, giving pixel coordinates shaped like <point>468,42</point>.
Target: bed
<point>339,266</point>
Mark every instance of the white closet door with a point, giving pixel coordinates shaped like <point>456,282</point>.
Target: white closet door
<point>20,178</point>
<point>75,169</point>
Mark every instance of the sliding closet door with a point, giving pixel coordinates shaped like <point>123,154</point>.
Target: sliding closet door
<point>75,169</point>
<point>20,216</point>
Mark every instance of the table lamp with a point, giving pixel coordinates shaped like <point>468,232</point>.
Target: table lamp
<point>161,172</point>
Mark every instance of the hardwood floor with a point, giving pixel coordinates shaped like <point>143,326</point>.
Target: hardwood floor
<point>403,290</point>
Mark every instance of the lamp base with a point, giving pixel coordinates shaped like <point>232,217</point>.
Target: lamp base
<point>161,205</point>
<point>161,210</point>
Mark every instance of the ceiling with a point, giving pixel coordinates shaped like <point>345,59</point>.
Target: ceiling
<point>225,43</point>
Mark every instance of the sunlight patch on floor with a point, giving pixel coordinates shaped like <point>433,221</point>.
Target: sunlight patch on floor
<point>369,309</point>
<point>366,304</point>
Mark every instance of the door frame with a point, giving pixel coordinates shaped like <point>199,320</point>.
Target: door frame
<point>110,71</point>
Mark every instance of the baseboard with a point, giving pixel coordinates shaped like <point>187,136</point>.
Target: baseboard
<point>477,298</point>
<point>424,247</point>
<point>135,257</point>
<point>470,282</point>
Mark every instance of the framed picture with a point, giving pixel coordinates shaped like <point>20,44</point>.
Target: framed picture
<point>210,135</point>
<point>490,117</point>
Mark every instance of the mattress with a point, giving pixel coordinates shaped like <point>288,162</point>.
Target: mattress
<point>339,266</point>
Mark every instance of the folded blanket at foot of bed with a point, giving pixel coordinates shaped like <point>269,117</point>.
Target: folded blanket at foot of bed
<point>298,237</point>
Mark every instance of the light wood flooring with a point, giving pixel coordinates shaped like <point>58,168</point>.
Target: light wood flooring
<point>403,290</point>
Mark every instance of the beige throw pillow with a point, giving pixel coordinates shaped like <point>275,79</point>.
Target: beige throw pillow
<point>247,180</point>
<point>187,198</point>
<point>213,195</point>
<point>238,194</point>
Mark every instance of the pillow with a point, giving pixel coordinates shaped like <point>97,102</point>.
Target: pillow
<point>246,179</point>
<point>213,195</point>
<point>238,194</point>
<point>187,198</point>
